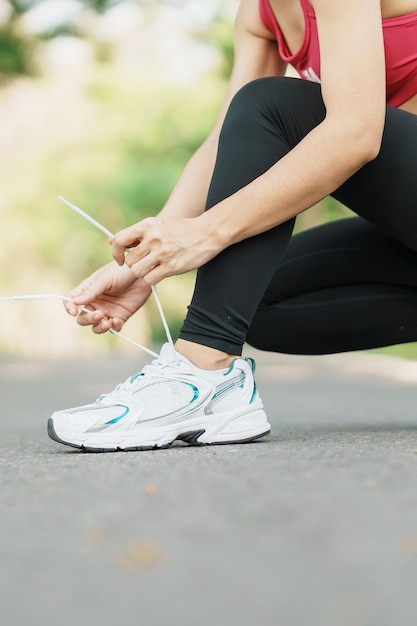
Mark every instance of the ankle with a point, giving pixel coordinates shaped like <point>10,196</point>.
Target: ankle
<point>204,357</point>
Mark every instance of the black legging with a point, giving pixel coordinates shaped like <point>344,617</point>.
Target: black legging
<point>346,285</point>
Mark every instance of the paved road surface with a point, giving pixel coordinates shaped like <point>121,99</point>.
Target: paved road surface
<point>314,526</point>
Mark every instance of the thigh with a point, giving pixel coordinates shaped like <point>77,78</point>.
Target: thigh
<point>341,286</point>
<point>350,251</point>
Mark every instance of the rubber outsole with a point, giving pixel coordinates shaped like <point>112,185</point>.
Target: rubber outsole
<point>189,437</point>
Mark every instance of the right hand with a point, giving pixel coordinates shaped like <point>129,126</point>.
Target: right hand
<point>112,293</point>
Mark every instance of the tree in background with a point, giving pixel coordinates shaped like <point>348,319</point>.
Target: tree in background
<point>18,45</point>
<point>14,47</point>
<point>108,136</point>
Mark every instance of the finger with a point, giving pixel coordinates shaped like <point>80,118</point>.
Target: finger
<point>79,296</point>
<point>117,324</point>
<point>90,288</point>
<point>90,319</point>
<point>103,326</point>
<point>108,323</point>
<point>141,260</point>
<point>153,268</point>
<point>70,308</point>
<point>156,275</point>
<point>134,255</point>
<point>86,296</point>
<point>127,238</point>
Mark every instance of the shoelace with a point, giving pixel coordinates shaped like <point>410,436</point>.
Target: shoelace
<point>109,234</point>
<point>156,369</point>
<point>55,296</point>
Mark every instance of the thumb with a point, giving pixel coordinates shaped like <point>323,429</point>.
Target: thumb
<point>88,290</point>
<point>79,297</point>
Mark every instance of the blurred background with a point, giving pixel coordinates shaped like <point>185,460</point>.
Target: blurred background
<point>102,102</point>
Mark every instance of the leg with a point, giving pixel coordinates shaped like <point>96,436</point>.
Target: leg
<point>266,120</point>
<point>255,135</point>
<point>341,286</point>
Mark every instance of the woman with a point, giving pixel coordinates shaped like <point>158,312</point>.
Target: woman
<point>279,146</point>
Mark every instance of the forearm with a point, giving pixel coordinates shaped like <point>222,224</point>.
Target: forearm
<point>164,246</point>
<point>307,174</point>
<point>188,198</point>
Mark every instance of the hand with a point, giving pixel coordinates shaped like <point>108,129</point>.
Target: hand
<point>158,247</point>
<point>112,293</point>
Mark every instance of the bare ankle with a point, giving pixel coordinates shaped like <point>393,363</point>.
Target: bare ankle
<point>204,357</point>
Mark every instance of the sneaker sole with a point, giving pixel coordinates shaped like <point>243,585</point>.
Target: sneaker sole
<point>190,437</point>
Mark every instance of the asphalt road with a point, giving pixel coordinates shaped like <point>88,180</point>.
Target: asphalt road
<point>315,525</point>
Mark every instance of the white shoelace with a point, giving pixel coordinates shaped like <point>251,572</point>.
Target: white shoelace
<point>48,296</point>
<point>157,369</point>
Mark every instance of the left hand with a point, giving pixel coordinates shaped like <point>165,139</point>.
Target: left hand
<point>158,247</point>
<point>112,293</point>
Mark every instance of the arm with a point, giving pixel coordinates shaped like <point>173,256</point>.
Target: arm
<point>350,34</point>
<point>350,38</point>
<point>255,57</point>
<point>115,293</point>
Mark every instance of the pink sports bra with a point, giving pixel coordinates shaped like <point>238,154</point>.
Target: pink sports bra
<point>400,39</point>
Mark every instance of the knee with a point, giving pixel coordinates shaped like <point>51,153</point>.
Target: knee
<point>274,102</point>
<point>250,109</point>
<point>260,89</point>
<point>275,91</point>
<point>256,96</point>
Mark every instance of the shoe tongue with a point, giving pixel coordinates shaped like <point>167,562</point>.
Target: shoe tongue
<point>167,354</point>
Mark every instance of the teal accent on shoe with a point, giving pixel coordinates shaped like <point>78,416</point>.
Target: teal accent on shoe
<point>135,376</point>
<point>252,398</point>
<point>251,362</point>
<point>117,419</point>
<point>196,391</point>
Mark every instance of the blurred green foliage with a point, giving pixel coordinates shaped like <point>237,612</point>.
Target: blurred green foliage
<point>113,145</point>
<point>220,35</point>
<point>15,47</point>
<point>119,163</point>
<point>125,172</point>
<point>12,54</point>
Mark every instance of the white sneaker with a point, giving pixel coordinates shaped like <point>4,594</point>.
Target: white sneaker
<point>169,400</point>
